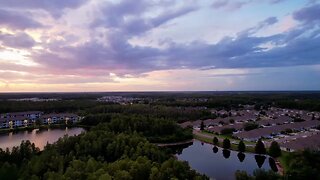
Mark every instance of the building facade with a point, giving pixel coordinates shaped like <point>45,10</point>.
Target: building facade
<point>29,118</point>
<point>19,119</point>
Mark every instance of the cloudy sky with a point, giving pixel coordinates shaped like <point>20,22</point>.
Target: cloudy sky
<point>113,45</point>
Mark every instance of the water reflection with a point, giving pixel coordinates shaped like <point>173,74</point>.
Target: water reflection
<point>241,156</point>
<point>215,149</point>
<point>273,165</point>
<point>40,137</point>
<point>177,149</point>
<point>221,166</point>
<point>226,153</point>
<point>260,160</point>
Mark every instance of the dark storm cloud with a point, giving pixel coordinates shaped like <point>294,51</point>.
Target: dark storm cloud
<point>18,40</point>
<point>17,20</point>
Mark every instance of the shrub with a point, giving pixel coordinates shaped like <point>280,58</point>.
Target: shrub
<point>202,126</point>
<point>274,150</point>
<point>227,130</point>
<point>250,126</point>
<point>241,146</point>
<point>259,148</point>
<point>215,141</point>
<point>231,121</point>
<point>226,144</point>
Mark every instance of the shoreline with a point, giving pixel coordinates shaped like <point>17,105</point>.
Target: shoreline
<point>278,163</point>
<point>53,126</point>
<point>174,143</point>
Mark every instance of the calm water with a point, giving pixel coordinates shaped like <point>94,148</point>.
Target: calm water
<point>38,137</point>
<point>221,165</point>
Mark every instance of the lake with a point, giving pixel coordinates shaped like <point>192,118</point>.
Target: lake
<point>219,164</point>
<point>36,136</point>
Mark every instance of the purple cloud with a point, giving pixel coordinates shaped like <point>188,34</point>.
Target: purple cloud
<point>16,20</point>
<point>128,16</point>
<point>54,7</point>
<point>308,14</point>
<point>125,20</point>
<point>246,50</point>
<point>265,23</point>
<point>237,4</point>
<point>18,40</point>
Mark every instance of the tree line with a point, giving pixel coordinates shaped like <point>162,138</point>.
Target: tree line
<point>97,154</point>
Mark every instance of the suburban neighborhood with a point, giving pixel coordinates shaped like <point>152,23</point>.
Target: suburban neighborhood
<point>292,129</point>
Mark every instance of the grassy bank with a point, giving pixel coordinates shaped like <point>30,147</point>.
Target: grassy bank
<point>234,147</point>
<point>220,136</point>
<point>283,159</point>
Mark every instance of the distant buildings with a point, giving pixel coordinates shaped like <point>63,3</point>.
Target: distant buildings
<point>269,132</point>
<point>62,118</point>
<point>29,118</point>
<point>35,99</point>
<point>120,99</point>
<point>292,129</point>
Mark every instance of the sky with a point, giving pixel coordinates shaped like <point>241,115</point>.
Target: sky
<point>159,45</point>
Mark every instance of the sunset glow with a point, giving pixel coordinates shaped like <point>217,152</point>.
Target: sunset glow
<point>159,45</point>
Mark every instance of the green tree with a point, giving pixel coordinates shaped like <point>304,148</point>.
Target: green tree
<point>303,165</point>
<point>202,126</point>
<point>274,149</point>
<point>38,122</point>
<point>258,174</point>
<point>226,144</point>
<point>259,148</point>
<point>243,175</point>
<point>231,121</point>
<point>265,175</point>
<point>227,131</point>
<point>250,126</point>
<point>215,141</point>
<point>241,147</point>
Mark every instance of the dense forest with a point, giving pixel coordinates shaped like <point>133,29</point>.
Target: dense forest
<point>97,154</point>
<point>118,144</point>
<point>78,102</point>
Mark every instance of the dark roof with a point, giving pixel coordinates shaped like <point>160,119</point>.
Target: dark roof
<point>58,115</point>
<point>278,120</point>
<point>21,113</point>
<point>257,133</point>
<point>218,129</point>
<point>310,142</point>
<point>17,118</point>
